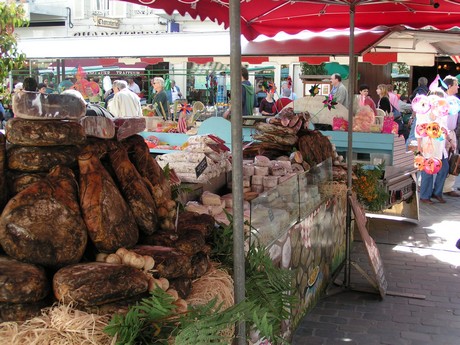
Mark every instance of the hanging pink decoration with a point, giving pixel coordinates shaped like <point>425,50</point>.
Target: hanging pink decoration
<point>421,104</point>
<point>438,106</point>
<point>419,162</point>
<point>421,130</point>
<point>435,83</point>
<point>432,166</point>
<point>433,130</point>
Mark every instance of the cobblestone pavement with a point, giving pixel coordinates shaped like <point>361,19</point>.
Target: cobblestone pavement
<point>421,263</point>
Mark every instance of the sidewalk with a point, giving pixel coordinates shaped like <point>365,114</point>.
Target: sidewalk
<point>419,260</point>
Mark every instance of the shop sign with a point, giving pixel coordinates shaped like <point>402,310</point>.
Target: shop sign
<point>119,72</point>
<point>107,22</point>
<point>201,167</point>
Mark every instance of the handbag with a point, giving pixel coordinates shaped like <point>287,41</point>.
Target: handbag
<point>454,164</point>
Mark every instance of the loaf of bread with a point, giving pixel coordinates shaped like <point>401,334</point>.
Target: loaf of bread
<point>37,106</point>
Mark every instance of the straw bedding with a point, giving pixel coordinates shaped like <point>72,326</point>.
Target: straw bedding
<point>58,325</point>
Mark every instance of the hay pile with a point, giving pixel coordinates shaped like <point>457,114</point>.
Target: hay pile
<point>215,283</point>
<point>58,325</point>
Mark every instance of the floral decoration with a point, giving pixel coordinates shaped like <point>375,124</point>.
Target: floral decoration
<point>369,187</point>
<point>314,90</point>
<point>330,102</point>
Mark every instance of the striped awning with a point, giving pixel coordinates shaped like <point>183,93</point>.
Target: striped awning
<point>455,58</point>
<point>208,67</point>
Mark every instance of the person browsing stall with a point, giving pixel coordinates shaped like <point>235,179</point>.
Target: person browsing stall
<point>267,105</point>
<point>248,94</point>
<point>339,91</point>
<point>124,103</point>
<point>132,85</point>
<point>160,100</point>
<point>384,100</point>
<point>175,91</point>
<point>284,100</point>
<point>364,98</point>
<point>41,88</point>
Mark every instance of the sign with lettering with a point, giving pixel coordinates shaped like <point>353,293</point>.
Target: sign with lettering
<point>107,22</point>
<point>201,167</point>
<point>371,248</point>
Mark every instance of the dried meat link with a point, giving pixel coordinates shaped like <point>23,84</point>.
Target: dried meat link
<point>216,139</point>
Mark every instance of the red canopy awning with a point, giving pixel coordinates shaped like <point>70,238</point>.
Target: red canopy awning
<point>328,43</point>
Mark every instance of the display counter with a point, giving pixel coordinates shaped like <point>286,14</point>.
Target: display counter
<point>373,148</point>
<point>400,175</point>
<point>302,222</point>
<point>368,148</point>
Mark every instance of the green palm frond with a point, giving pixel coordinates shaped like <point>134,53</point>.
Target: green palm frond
<point>269,300</point>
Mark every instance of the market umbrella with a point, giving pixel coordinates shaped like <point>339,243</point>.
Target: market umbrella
<point>264,17</point>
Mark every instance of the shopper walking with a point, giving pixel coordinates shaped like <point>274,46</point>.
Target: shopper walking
<point>124,103</point>
<point>452,89</point>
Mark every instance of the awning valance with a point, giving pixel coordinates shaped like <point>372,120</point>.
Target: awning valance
<point>414,47</point>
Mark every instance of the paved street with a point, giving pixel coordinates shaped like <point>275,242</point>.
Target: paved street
<point>422,263</point>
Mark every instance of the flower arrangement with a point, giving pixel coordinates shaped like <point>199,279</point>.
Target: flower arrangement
<point>369,188</point>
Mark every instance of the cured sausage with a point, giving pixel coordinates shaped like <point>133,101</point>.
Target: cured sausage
<point>109,219</point>
<point>135,191</point>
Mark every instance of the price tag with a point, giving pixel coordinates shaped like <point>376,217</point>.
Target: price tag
<point>271,216</point>
<point>201,167</point>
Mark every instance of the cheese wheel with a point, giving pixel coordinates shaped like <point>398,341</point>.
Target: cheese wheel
<point>261,171</point>
<point>248,170</point>
<point>210,199</point>
<point>257,180</point>
<point>262,161</point>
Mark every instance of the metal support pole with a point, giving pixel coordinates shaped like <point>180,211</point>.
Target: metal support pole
<point>237,163</point>
<point>351,89</point>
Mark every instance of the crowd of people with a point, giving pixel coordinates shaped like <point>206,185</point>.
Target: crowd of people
<point>122,98</point>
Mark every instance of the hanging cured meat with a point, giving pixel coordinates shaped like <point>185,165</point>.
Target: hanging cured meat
<point>159,184</point>
<point>109,219</point>
<point>42,224</point>
<point>135,191</point>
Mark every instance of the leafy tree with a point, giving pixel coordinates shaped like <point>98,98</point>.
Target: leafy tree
<point>11,15</point>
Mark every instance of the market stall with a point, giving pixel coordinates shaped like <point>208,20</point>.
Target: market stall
<point>119,223</point>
